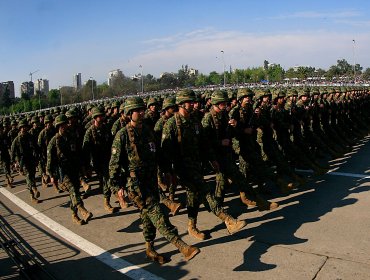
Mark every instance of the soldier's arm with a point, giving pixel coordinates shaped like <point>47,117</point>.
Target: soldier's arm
<point>116,160</point>
<point>168,145</point>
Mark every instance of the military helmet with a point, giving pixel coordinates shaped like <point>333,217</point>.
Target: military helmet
<point>34,119</point>
<point>169,102</point>
<point>279,94</point>
<point>72,113</point>
<point>60,119</point>
<point>244,92</point>
<point>185,96</point>
<point>122,108</point>
<point>22,122</point>
<point>48,118</point>
<point>219,96</point>
<point>133,103</point>
<point>303,92</point>
<point>115,104</point>
<point>97,111</point>
<point>151,101</point>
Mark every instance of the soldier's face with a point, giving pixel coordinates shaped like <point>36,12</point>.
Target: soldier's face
<point>138,115</point>
<point>189,106</point>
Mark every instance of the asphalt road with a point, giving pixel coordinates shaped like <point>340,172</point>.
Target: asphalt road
<point>320,231</point>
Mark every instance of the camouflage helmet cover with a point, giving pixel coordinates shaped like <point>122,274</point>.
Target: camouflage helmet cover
<point>185,96</point>
<point>133,103</point>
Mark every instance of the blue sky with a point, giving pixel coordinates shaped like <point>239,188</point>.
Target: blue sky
<point>63,37</point>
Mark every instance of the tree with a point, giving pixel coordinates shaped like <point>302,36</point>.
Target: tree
<point>366,74</point>
<point>275,73</point>
<point>215,78</point>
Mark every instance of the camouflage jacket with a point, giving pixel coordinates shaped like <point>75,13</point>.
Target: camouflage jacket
<point>97,145</point>
<point>134,151</point>
<point>118,124</point>
<point>183,143</point>
<point>43,141</point>
<point>25,150</point>
<point>61,152</point>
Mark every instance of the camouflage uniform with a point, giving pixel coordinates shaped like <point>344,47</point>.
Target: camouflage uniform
<point>134,150</point>
<point>62,155</point>
<point>5,156</point>
<point>183,146</point>
<point>25,152</point>
<point>43,141</point>
<point>96,147</point>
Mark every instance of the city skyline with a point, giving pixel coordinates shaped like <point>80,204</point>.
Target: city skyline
<point>61,38</point>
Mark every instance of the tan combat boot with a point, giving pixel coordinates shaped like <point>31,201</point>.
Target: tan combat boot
<point>232,225</point>
<point>173,206</point>
<point>76,219</point>
<point>56,187</point>
<point>36,193</point>
<point>9,182</point>
<point>152,254</point>
<point>284,186</point>
<point>188,252</point>
<point>109,207</point>
<point>246,200</point>
<point>120,195</point>
<point>86,215</point>
<point>34,199</point>
<point>44,181</point>
<point>193,231</point>
<point>85,186</point>
<point>264,204</point>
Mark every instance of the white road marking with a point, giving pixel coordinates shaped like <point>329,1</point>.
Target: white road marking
<point>354,175</point>
<point>115,262</point>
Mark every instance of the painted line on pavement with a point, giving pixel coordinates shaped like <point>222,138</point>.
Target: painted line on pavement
<point>112,260</point>
<point>353,175</point>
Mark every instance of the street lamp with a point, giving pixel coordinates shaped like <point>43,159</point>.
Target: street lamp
<point>354,63</point>
<point>142,79</point>
<point>60,93</point>
<point>92,87</point>
<point>223,62</point>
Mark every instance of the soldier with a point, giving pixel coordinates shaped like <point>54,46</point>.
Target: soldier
<point>25,154</point>
<point>168,108</point>
<point>251,163</point>
<point>62,155</point>
<point>5,156</point>
<point>96,148</point>
<point>43,141</point>
<point>77,132</point>
<point>152,113</point>
<point>134,150</point>
<point>183,147</point>
<point>36,128</point>
<point>13,132</point>
<point>120,122</point>
<point>218,132</point>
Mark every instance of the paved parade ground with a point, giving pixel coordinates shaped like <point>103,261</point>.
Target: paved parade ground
<point>320,231</point>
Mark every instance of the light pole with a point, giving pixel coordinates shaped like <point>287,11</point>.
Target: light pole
<point>142,79</point>
<point>223,62</point>
<point>354,63</point>
<point>39,81</point>
<point>92,88</point>
<point>61,99</point>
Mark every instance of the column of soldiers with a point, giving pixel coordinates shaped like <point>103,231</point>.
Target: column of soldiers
<point>142,150</point>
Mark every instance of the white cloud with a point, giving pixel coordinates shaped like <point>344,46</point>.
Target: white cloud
<point>316,14</point>
<point>241,50</point>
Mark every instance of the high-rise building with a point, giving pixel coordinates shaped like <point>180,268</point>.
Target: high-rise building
<point>77,81</point>
<point>114,74</point>
<point>7,87</point>
<point>27,88</point>
<point>42,86</point>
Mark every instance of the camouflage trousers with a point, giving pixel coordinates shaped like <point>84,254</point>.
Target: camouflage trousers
<point>103,177</point>
<point>197,190</point>
<point>71,183</point>
<point>30,172</point>
<point>5,164</point>
<point>153,218</point>
<point>229,170</point>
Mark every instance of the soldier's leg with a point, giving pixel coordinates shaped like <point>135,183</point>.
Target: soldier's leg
<point>29,173</point>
